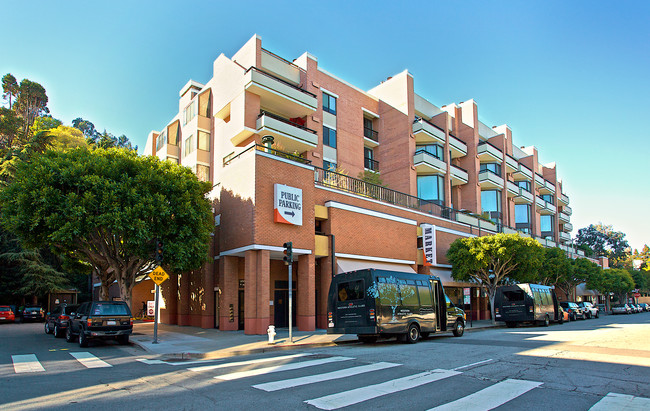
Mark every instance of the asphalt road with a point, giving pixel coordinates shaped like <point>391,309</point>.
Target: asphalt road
<point>593,363</point>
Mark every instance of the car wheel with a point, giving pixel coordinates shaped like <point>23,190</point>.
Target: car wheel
<point>597,314</point>
<point>459,329</point>
<point>413,334</point>
<point>69,337</point>
<point>589,315</point>
<point>57,331</point>
<point>124,339</point>
<point>83,340</point>
<point>47,328</point>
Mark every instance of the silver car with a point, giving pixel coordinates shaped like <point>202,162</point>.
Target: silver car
<point>590,310</point>
<point>621,309</point>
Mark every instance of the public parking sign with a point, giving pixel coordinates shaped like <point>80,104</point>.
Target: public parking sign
<point>158,275</point>
<point>287,205</point>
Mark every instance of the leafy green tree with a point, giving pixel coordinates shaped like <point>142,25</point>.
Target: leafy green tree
<point>494,260</point>
<point>9,88</point>
<point>45,123</point>
<point>31,102</point>
<point>86,127</point>
<point>371,177</point>
<point>581,271</point>
<point>613,280</point>
<point>10,126</point>
<point>603,241</point>
<point>640,279</point>
<point>556,267</point>
<point>106,208</point>
<point>66,138</point>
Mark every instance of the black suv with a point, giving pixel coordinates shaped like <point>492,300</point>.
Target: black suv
<point>33,314</point>
<point>100,320</point>
<point>56,322</point>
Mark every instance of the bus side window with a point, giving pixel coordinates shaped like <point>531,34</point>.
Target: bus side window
<point>425,295</point>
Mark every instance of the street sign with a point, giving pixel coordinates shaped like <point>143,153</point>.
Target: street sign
<point>637,295</point>
<point>158,275</point>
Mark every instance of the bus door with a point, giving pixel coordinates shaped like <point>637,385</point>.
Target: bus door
<point>427,306</point>
<point>438,300</point>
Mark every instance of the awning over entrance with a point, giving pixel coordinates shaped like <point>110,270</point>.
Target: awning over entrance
<point>445,277</point>
<point>349,264</point>
<point>581,289</point>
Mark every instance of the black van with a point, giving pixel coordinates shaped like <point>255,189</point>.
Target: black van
<point>527,303</point>
<point>373,303</point>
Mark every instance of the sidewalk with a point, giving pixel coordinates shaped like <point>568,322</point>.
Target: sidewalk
<point>184,342</point>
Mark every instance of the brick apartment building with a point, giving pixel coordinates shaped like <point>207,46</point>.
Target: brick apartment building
<point>265,127</point>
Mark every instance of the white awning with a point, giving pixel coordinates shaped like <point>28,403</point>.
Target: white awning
<point>348,264</point>
<point>581,289</point>
<point>447,281</point>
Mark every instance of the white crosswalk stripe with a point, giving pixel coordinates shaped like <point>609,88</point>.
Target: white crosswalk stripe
<point>278,368</point>
<point>310,379</point>
<point>26,363</point>
<point>89,361</point>
<point>346,398</point>
<point>614,401</point>
<point>490,397</point>
<point>247,362</point>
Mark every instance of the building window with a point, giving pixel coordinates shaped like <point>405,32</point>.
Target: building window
<point>329,103</point>
<point>369,159</point>
<point>491,204</point>
<point>368,130</point>
<point>431,188</point>
<point>546,223</point>
<point>435,150</point>
<point>491,167</point>
<point>202,172</point>
<point>161,140</point>
<point>522,217</point>
<point>329,137</point>
<point>204,140</point>
<point>524,184</point>
<point>328,165</point>
<point>189,112</point>
<point>190,146</point>
<point>548,198</point>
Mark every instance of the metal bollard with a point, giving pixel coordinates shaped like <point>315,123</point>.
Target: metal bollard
<point>271,333</point>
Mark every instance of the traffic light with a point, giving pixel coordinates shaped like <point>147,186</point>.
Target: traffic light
<point>288,253</point>
<point>159,251</point>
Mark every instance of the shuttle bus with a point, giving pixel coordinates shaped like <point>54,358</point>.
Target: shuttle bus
<point>533,303</point>
<point>373,303</point>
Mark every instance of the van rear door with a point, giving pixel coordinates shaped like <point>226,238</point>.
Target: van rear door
<point>351,306</point>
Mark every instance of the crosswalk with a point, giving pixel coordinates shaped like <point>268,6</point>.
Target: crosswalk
<point>373,380</point>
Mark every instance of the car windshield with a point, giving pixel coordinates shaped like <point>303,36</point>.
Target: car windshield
<point>109,309</point>
<point>33,309</point>
<point>5,309</point>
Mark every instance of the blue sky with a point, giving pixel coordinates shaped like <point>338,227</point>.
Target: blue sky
<point>570,78</point>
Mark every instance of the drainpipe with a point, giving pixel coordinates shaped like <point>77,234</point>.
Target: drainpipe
<point>332,246</point>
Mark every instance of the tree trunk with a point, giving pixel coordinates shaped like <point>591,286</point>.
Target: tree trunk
<point>103,291</point>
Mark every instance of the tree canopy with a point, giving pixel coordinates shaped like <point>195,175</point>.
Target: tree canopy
<point>106,207</point>
<point>613,280</point>
<point>602,241</point>
<point>494,260</point>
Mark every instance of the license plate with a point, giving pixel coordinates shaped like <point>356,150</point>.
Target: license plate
<point>111,322</point>
<point>2,318</point>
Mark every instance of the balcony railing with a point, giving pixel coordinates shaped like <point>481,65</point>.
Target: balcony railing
<point>279,153</point>
<point>371,134</point>
<point>371,164</point>
<point>257,70</point>
<point>284,120</point>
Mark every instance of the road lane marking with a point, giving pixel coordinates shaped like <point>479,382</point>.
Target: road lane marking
<point>490,397</point>
<point>310,379</point>
<point>89,361</point>
<point>614,401</point>
<point>238,363</point>
<point>278,368</point>
<point>471,365</point>
<point>346,398</point>
<point>26,363</point>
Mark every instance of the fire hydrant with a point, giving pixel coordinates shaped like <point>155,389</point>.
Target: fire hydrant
<point>271,333</point>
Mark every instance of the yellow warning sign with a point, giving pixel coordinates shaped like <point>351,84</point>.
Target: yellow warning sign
<point>158,275</point>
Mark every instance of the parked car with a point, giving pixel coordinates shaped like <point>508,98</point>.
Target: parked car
<point>646,307</point>
<point>527,303</point>
<point>563,314</point>
<point>635,308</point>
<point>100,320</point>
<point>574,311</point>
<point>590,310</point>
<point>7,314</point>
<point>56,322</point>
<point>33,314</point>
<point>621,309</point>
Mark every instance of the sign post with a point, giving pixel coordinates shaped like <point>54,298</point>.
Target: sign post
<point>158,276</point>
<point>288,260</point>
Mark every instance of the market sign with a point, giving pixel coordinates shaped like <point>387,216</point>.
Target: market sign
<point>287,205</point>
<point>428,244</point>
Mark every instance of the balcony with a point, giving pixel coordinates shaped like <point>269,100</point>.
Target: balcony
<point>513,189</point>
<point>539,181</point>
<point>563,199</point>
<point>291,136</point>
<point>567,227</point>
<point>283,96</point>
<point>523,173</point>
<point>458,175</point>
<point>487,153</point>
<point>457,147</point>
<point>425,163</point>
<point>371,137</point>
<point>544,207</point>
<point>540,204</point>
<point>550,209</point>
<point>427,133</point>
<point>488,180</point>
<point>524,197</point>
<point>370,164</point>
<point>547,188</point>
<point>563,217</point>
<point>511,164</point>
<point>567,210</point>
<point>565,237</point>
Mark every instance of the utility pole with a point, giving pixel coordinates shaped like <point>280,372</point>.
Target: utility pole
<point>288,260</point>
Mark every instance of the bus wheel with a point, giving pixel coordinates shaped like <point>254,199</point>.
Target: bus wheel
<point>413,334</point>
<point>459,329</point>
<point>367,339</point>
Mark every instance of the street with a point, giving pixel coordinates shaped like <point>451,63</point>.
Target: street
<point>601,363</point>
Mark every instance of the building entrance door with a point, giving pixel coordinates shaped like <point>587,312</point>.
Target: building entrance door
<point>240,309</point>
<point>281,308</point>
